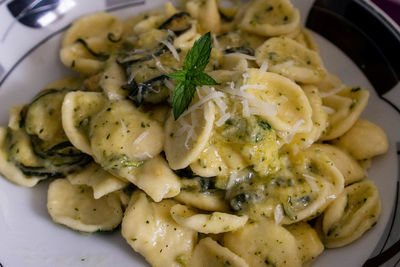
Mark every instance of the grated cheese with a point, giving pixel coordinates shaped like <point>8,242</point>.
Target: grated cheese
<point>215,40</point>
<point>257,107</point>
<point>245,77</point>
<point>169,84</point>
<point>278,214</point>
<point>144,155</point>
<point>123,126</point>
<point>245,108</point>
<point>140,137</point>
<point>114,96</point>
<point>264,66</point>
<point>221,104</point>
<point>205,99</point>
<point>282,99</point>
<point>223,119</point>
<point>159,65</point>
<point>249,57</point>
<point>172,49</point>
<point>285,64</point>
<point>332,92</point>
<point>253,86</point>
<point>311,181</point>
<point>328,110</point>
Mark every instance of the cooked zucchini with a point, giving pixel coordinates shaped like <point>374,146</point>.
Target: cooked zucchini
<point>178,23</point>
<point>43,116</point>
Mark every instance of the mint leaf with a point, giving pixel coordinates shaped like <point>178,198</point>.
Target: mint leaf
<point>179,75</point>
<point>202,78</point>
<point>192,74</point>
<point>183,94</point>
<point>199,55</point>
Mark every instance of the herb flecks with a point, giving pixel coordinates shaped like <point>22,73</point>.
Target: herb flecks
<point>192,74</point>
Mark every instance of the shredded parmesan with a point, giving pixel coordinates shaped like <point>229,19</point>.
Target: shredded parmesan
<point>159,65</point>
<point>198,92</point>
<point>332,92</point>
<point>223,119</point>
<point>193,124</point>
<point>123,126</point>
<point>331,197</point>
<point>257,107</point>
<point>249,57</point>
<point>287,137</point>
<point>282,99</point>
<point>144,155</point>
<point>114,96</point>
<point>232,179</point>
<point>278,214</point>
<point>172,49</point>
<point>221,104</point>
<point>169,84</point>
<point>264,66</point>
<point>285,64</point>
<point>311,181</point>
<point>215,40</point>
<point>328,110</point>
<point>140,137</point>
<point>245,77</point>
<point>245,108</point>
<point>205,99</point>
<point>253,86</point>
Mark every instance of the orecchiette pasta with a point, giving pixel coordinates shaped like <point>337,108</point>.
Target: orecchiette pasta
<point>351,214</point>
<point>149,228</point>
<point>75,207</point>
<point>346,164</point>
<point>308,242</point>
<point>214,223</point>
<point>272,245</point>
<point>209,253</point>
<point>239,138</point>
<point>270,18</point>
<point>291,59</point>
<point>344,109</point>
<point>101,182</point>
<point>88,42</point>
<point>364,140</point>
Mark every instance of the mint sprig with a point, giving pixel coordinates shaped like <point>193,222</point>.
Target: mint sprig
<point>191,75</point>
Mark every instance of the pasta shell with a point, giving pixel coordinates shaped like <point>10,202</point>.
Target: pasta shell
<point>214,223</point>
<point>291,59</point>
<point>271,244</point>
<point>293,110</point>
<point>270,18</point>
<point>351,214</point>
<point>346,106</point>
<point>150,230</point>
<point>101,182</point>
<point>77,110</point>
<point>209,253</point>
<point>364,140</point>
<point>75,207</point>
<point>181,134</point>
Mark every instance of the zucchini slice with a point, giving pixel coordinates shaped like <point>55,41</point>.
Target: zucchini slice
<point>10,170</point>
<point>43,117</point>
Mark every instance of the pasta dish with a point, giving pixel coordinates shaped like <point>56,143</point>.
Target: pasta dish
<point>211,132</point>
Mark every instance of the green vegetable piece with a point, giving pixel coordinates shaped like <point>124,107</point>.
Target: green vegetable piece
<point>192,74</point>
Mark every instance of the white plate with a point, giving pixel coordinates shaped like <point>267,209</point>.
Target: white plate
<point>29,60</point>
